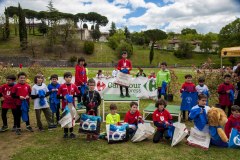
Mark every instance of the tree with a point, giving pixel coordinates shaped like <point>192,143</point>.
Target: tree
<point>229,35</point>
<point>7,28</point>
<point>186,31</point>
<point>43,28</point>
<point>206,44</point>
<point>31,15</point>
<point>116,39</point>
<point>138,38</point>
<point>22,28</point>
<point>96,18</point>
<point>184,50</point>
<point>96,34</point>
<point>15,22</point>
<point>154,35</point>
<point>112,29</point>
<point>126,32</point>
<point>82,17</point>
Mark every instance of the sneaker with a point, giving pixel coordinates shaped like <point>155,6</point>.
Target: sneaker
<point>72,135</point>
<point>18,131</point>
<point>52,127</point>
<point>41,129</point>
<point>29,128</point>
<point>121,95</point>
<point>65,135</point>
<point>14,128</point>
<point>4,128</point>
<point>127,95</point>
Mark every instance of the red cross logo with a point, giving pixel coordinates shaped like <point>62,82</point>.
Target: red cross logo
<point>100,86</point>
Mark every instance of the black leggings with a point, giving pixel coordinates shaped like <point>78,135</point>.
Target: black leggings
<point>19,116</point>
<point>121,90</point>
<point>66,130</point>
<point>4,116</point>
<point>229,110</point>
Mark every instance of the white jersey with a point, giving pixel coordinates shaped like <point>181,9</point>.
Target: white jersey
<point>202,89</point>
<point>35,90</point>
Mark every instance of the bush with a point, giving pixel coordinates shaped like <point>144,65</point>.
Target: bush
<point>112,43</point>
<point>88,47</point>
<point>124,46</point>
<point>35,69</point>
<point>72,60</point>
<point>5,71</point>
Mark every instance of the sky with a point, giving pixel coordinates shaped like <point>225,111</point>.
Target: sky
<point>139,15</point>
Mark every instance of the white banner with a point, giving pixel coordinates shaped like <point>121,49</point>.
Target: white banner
<point>142,87</point>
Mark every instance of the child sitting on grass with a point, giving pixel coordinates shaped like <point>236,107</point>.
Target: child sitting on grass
<point>233,120</point>
<point>113,117</point>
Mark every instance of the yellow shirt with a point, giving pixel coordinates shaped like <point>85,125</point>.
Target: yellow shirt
<point>112,119</point>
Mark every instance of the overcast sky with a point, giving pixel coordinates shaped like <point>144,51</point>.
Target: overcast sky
<point>168,15</point>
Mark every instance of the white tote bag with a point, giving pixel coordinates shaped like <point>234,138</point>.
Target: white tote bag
<point>123,79</point>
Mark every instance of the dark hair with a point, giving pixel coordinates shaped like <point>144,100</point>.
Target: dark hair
<point>201,79</point>
<point>164,63</point>
<point>227,75</point>
<point>21,74</point>
<point>160,102</point>
<point>54,76</point>
<point>37,76</point>
<point>202,96</point>
<point>12,77</point>
<point>67,74</point>
<point>133,103</point>
<point>124,52</point>
<point>235,108</point>
<point>188,76</point>
<point>85,64</point>
<point>113,106</point>
<point>91,81</point>
<point>81,59</point>
<point>141,70</point>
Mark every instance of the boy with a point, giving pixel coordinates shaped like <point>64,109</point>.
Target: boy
<point>53,100</point>
<point>92,99</point>
<point>133,117</point>
<point>162,76</point>
<point>161,119</point>
<point>71,89</point>
<point>39,94</point>
<point>233,120</point>
<point>115,72</point>
<point>21,92</point>
<point>201,87</point>
<point>188,87</point>
<point>113,117</point>
<point>141,73</point>
<point>225,90</point>
<point>199,114</point>
<point>80,75</point>
<point>8,102</point>
<point>152,75</point>
<point>124,65</point>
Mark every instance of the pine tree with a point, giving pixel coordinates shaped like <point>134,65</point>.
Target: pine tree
<point>22,28</point>
<point>7,28</point>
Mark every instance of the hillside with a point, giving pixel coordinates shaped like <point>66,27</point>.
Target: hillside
<point>102,53</point>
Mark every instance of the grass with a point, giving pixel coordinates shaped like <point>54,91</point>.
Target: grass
<point>50,144</point>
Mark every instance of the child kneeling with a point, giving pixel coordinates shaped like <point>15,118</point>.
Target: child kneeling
<point>162,120</point>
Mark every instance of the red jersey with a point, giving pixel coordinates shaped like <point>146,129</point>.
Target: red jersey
<point>21,90</point>
<point>161,116</point>
<point>149,77</point>
<point>232,123</point>
<point>80,75</point>
<point>65,89</point>
<point>8,101</point>
<point>132,118</point>
<point>124,63</point>
<point>188,87</point>
<point>224,99</point>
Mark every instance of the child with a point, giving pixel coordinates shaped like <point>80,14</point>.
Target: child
<point>91,99</point>
<point>161,119</point>
<point>225,90</point>
<point>162,76</point>
<point>8,102</point>
<point>21,92</point>
<point>124,65</point>
<point>71,89</point>
<point>99,75</point>
<point>201,87</point>
<point>80,76</point>
<point>141,73</point>
<point>113,117</point>
<point>152,75</point>
<point>233,120</point>
<point>115,72</point>
<point>133,117</point>
<point>237,91</point>
<point>39,94</point>
<point>187,86</point>
<point>53,100</point>
<point>199,114</point>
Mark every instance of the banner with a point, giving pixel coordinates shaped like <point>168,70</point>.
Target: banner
<point>199,139</point>
<point>123,79</point>
<point>116,133</point>
<point>89,124</point>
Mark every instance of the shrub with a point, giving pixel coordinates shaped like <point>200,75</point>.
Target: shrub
<point>35,69</point>
<point>5,71</point>
<point>88,47</point>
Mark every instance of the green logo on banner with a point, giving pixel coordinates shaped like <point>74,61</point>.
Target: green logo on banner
<point>150,86</point>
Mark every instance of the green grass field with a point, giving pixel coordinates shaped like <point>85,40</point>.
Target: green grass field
<point>51,146</point>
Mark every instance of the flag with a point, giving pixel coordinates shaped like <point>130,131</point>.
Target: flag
<point>189,99</point>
